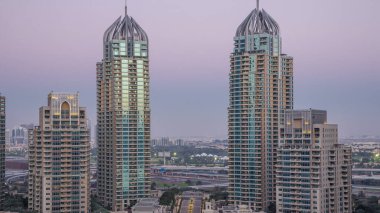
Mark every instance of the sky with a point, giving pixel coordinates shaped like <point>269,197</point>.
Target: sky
<point>51,45</point>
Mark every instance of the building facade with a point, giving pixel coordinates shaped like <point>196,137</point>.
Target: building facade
<point>261,89</point>
<point>313,170</point>
<point>2,151</point>
<point>7,138</point>
<point>123,113</point>
<point>59,158</point>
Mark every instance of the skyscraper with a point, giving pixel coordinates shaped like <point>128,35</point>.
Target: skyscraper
<point>59,158</point>
<point>313,170</point>
<point>123,113</point>
<point>2,151</point>
<point>261,89</point>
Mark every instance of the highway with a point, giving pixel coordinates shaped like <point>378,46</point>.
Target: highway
<point>365,170</point>
<point>11,175</point>
<point>210,176</point>
<point>209,186</point>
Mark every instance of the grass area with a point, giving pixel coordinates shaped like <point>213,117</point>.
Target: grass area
<point>161,184</point>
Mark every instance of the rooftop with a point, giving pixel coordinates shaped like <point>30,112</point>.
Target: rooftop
<point>258,22</point>
<point>125,29</point>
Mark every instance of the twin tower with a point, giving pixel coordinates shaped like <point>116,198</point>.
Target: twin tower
<point>261,89</point>
<point>266,160</point>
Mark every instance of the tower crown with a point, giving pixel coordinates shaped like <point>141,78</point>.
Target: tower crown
<point>258,22</point>
<point>125,29</point>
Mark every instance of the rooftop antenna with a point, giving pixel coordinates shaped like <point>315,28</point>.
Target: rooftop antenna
<point>257,4</point>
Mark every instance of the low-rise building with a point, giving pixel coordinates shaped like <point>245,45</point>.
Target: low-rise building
<point>210,207</point>
<point>148,205</point>
<point>235,209</point>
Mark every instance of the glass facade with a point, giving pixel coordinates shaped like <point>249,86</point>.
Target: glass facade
<point>261,89</point>
<point>123,116</point>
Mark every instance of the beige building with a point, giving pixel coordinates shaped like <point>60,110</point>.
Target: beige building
<point>59,158</point>
<point>313,170</point>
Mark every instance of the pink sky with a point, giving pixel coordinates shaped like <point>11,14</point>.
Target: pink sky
<point>50,45</point>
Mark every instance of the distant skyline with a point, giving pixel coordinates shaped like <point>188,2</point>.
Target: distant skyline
<point>53,46</point>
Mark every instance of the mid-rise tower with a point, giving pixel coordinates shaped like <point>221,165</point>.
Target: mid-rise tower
<point>123,113</point>
<point>261,89</point>
<point>59,158</point>
<point>313,170</point>
<point>2,151</point>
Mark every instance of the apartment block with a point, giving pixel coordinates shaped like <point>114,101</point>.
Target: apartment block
<point>59,157</point>
<point>313,170</point>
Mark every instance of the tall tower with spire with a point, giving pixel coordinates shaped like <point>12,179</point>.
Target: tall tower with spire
<point>123,114</point>
<point>261,89</point>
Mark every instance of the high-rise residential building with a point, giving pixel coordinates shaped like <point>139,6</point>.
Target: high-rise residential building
<point>2,151</point>
<point>59,157</point>
<point>261,89</point>
<point>19,136</point>
<point>313,170</point>
<point>123,113</point>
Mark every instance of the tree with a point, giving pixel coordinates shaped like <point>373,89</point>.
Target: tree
<point>363,204</point>
<point>272,208</point>
<point>219,193</point>
<point>365,160</point>
<point>133,202</point>
<point>167,198</point>
<point>16,204</point>
<point>361,195</point>
<point>153,186</point>
<point>96,207</point>
<point>363,208</point>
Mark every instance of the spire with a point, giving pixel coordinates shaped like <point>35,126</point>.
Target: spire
<point>258,22</point>
<point>126,8</point>
<point>125,28</point>
<point>257,5</point>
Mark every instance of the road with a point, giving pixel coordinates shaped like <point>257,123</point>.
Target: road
<point>191,202</point>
